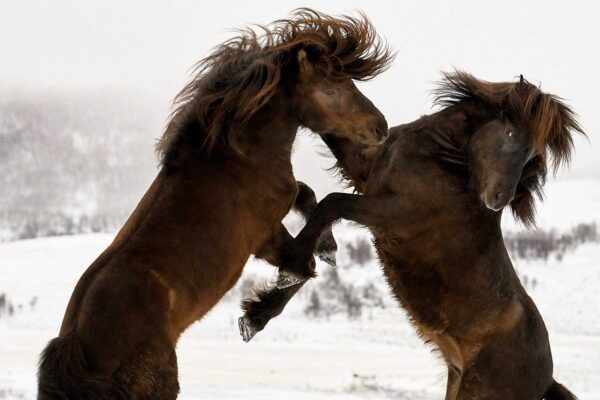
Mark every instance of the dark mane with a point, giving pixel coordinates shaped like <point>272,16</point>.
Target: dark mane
<point>241,75</point>
<point>550,122</point>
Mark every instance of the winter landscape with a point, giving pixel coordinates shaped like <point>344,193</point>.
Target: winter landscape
<point>342,337</point>
<point>78,123</point>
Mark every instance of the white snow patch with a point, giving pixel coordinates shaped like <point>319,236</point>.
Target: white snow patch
<point>376,356</point>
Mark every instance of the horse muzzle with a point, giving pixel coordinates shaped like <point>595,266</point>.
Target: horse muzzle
<point>496,200</point>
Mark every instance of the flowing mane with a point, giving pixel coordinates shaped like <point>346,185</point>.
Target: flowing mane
<point>549,121</point>
<point>241,75</point>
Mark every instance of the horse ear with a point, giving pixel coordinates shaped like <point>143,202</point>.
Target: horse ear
<point>304,63</point>
<point>521,82</point>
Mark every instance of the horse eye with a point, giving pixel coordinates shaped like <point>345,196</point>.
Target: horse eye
<point>330,92</point>
<point>509,133</point>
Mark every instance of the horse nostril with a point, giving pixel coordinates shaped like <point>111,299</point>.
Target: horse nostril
<point>499,196</point>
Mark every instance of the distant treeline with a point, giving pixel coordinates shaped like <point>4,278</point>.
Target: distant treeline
<point>545,244</point>
<point>538,244</point>
<point>73,162</point>
<point>333,295</point>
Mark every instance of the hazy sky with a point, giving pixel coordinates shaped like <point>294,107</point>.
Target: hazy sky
<point>150,45</point>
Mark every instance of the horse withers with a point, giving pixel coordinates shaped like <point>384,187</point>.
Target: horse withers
<point>224,185</point>
<point>433,198</point>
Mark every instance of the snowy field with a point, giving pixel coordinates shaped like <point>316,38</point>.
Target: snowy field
<point>373,356</point>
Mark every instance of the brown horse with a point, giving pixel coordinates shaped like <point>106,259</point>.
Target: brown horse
<point>224,186</point>
<point>433,198</point>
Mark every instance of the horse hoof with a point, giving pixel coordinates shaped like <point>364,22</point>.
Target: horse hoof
<point>286,280</point>
<point>247,331</point>
<point>328,257</point>
<point>326,243</point>
<point>326,248</point>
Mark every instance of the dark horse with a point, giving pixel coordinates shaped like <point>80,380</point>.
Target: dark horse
<point>224,186</point>
<point>433,198</point>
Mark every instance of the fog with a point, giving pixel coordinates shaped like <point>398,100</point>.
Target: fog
<point>149,46</point>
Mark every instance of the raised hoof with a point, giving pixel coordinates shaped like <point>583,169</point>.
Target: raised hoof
<point>247,331</point>
<point>326,248</point>
<point>286,280</point>
<point>326,242</point>
<point>328,257</point>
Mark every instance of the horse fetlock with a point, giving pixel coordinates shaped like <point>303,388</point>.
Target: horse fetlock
<point>298,261</point>
<point>287,279</point>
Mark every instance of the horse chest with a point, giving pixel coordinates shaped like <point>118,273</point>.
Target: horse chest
<point>420,289</point>
<point>271,192</point>
<point>278,199</point>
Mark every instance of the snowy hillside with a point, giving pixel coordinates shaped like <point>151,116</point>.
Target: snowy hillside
<point>370,355</point>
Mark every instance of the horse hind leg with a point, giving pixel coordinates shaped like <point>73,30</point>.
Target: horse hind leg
<point>149,377</point>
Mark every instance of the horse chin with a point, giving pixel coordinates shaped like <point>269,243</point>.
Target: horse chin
<point>382,140</point>
<point>374,141</point>
<point>495,204</point>
<point>494,207</point>
<point>497,196</point>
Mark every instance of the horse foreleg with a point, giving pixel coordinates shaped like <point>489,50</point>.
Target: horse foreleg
<point>370,211</point>
<point>374,212</point>
<point>454,378</point>
<point>305,204</point>
<point>268,304</point>
<point>325,247</point>
<point>271,301</point>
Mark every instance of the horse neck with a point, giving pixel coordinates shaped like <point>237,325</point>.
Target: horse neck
<point>270,134</point>
<point>266,146</point>
<point>445,130</point>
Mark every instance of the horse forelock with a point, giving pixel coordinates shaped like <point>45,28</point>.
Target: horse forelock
<point>241,75</point>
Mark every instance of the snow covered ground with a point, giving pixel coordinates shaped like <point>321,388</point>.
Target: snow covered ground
<point>374,356</point>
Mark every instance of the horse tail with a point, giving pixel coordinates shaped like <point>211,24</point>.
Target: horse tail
<point>556,391</point>
<point>64,374</point>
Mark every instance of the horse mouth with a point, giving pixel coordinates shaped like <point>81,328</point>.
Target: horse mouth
<point>383,139</point>
<point>369,139</point>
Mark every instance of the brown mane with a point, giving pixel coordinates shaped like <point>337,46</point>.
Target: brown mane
<point>241,75</point>
<point>547,118</point>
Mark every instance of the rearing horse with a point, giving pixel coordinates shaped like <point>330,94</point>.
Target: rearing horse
<point>225,184</point>
<point>433,198</point>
